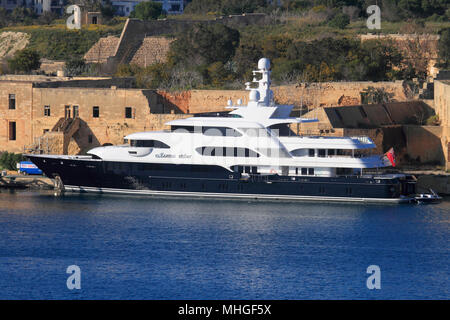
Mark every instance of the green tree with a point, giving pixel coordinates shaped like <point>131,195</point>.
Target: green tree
<point>148,10</point>
<point>47,18</point>
<point>340,21</point>
<point>4,17</point>
<point>9,160</point>
<point>444,48</point>
<point>24,60</point>
<point>382,59</point>
<point>413,6</point>
<point>371,95</point>
<point>75,67</point>
<point>225,6</point>
<point>218,74</point>
<point>153,77</point>
<point>22,15</point>
<point>204,44</point>
<point>126,70</point>
<point>107,9</point>
<point>247,54</point>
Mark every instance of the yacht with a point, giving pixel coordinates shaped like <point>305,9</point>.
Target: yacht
<point>250,151</point>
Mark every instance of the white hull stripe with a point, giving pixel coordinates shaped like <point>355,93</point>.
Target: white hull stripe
<point>233,195</point>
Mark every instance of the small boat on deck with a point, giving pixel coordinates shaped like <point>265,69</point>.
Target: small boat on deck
<point>431,197</point>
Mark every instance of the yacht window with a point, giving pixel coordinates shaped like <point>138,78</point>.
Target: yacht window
<point>282,130</point>
<point>274,152</point>
<point>311,152</point>
<point>220,131</point>
<point>227,152</point>
<point>149,144</point>
<point>331,152</point>
<point>304,171</point>
<point>322,153</point>
<point>310,171</point>
<point>189,129</point>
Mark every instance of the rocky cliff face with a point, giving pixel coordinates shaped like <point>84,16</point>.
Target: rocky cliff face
<point>11,42</point>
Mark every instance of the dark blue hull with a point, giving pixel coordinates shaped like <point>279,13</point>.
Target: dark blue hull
<point>215,181</point>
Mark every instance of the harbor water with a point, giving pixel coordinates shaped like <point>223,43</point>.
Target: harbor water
<point>149,248</point>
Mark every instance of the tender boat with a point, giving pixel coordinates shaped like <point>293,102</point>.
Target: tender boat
<point>431,197</point>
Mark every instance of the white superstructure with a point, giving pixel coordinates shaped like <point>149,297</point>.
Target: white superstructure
<point>255,138</point>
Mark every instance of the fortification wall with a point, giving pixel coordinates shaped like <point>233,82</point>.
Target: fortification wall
<point>333,93</point>
<point>423,143</point>
<point>442,107</point>
<point>312,96</point>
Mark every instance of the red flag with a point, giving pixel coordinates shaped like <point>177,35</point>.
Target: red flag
<point>391,156</point>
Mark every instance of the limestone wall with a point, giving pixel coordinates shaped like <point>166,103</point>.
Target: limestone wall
<point>21,115</point>
<point>310,96</point>
<point>110,127</point>
<point>333,93</point>
<point>153,50</point>
<point>423,143</point>
<point>102,50</point>
<point>442,107</point>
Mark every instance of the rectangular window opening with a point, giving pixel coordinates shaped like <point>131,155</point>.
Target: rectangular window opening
<point>46,111</point>
<point>128,112</point>
<point>95,112</point>
<point>12,131</point>
<point>12,101</point>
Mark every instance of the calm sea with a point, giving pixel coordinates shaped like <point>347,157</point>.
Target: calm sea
<point>146,248</point>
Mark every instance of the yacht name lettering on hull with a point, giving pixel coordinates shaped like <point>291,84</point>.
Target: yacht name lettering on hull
<point>172,156</point>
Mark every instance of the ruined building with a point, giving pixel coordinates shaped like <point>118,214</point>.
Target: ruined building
<point>72,116</point>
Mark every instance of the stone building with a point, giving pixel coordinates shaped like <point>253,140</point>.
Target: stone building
<point>73,116</point>
<point>442,107</point>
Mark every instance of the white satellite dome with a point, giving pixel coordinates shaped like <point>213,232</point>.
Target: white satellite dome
<point>254,95</point>
<point>264,64</point>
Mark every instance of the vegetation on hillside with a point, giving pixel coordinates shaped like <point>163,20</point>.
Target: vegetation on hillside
<point>24,61</point>
<point>56,42</point>
<point>444,49</point>
<point>393,10</point>
<point>306,40</point>
<point>147,11</point>
<point>215,56</point>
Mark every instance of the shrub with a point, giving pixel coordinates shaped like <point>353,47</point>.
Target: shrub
<point>433,121</point>
<point>147,11</point>
<point>204,44</point>
<point>25,60</point>
<point>75,67</point>
<point>340,21</point>
<point>9,160</point>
